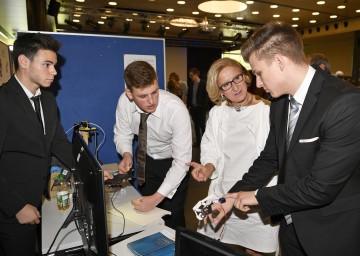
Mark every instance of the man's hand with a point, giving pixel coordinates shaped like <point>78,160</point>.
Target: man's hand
<point>28,215</point>
<point>200,172</point>
<point>243,200</point>
<point>223,209</point>
<point>147,203</point>
<point>107,175</point>
<point>126,163</point>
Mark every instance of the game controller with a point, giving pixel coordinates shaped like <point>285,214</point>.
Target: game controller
<point>203,207</point>
<point>118,178</point>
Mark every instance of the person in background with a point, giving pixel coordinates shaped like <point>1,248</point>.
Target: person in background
<point>314,142</point>
<point>27,142</point>
<point>183,85</point>
<point>174,87</point>
<point>319,60</point>
<point>235,134</point>
<point>198,103</point>
<point>168,141</point>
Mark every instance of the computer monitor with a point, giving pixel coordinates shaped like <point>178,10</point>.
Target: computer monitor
<point>188,242</point>
<point>89,199</point>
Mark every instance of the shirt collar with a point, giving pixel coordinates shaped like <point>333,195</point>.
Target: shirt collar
<point>300,94</point>
<point>26,90</point>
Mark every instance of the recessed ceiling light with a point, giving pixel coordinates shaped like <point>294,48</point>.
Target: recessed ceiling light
<point>295,10</point>
<point>129,19</point>
<point>249,2</point>
<point>274,6</point>
<point>103,17</point>
<point>295,18</point>
<point>181,2</point>
<point>239,18</point>
<point>108,11</point>
<point>112,3</point>
<point>151,0</point>
<point>217,15</point>
<point>341,7</point>
<point>312,21</point>
<point>77,15</point>
<point>320,2</point>
<point>152,21</point>
<point>78,8</point>
<point>101,22</point>
<point>159,16</point>
<point>76,20</point>
<point>195,13</point>
<point>358,10</point>
<point>255,12</point>
<point>315,13</point>
<point>295,25</point>
<point>333,16</point>
<point>135,14</point>
<point>167,27</point>
<point>170,10</point>
<point>226,6</point>
<point>80,1</point>
<point>276,15</point>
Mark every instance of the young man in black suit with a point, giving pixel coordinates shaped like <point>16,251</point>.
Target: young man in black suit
<point>318,191</point>
<point>198,103</point>
<point>27,141</point>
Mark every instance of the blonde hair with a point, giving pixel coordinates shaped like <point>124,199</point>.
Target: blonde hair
<point>212,86</point>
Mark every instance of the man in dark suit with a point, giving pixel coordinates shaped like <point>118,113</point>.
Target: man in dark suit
<point>198,103</point>
<point>27,141</point>
<point>318,192</point>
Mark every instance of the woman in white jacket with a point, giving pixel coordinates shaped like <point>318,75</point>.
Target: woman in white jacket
<point>235,134</point>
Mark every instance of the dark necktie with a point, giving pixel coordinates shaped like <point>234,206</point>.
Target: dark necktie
<point>141,149</point>
<point>36,100</point>
<point>293,117</point>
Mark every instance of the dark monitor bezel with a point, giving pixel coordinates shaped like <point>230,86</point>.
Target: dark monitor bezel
<point>90,204</point>
<point>203,242</point>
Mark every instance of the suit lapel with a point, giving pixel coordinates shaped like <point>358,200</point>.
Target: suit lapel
<point>309,103</point>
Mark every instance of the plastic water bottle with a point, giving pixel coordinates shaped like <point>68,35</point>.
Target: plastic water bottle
<point>62,195</point>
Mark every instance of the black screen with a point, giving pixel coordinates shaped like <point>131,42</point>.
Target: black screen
<point>189,242</point>
<point>89,199</point>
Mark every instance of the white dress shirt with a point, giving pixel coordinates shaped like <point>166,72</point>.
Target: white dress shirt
<point>168,135</point>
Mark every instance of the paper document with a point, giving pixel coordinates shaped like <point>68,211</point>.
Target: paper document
<point>140,218</point>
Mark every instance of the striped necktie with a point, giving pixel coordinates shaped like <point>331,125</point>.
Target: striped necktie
<point>293,117</point>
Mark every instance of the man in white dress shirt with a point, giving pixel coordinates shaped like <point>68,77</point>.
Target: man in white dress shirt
<point>169,142</point>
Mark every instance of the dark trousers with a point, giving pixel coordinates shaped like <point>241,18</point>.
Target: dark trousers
<point>289,242</point>
<point>17,239</point>
<point>198,116</point>
<point>155,172</point>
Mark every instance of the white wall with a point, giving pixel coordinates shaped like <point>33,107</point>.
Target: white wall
<point>176,61</point>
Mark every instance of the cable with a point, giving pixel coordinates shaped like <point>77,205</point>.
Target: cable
<point>61,227</point>
<point>112,203</point>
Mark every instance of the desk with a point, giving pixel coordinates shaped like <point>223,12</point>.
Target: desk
<point>121,249</point>
<point>52,219</point>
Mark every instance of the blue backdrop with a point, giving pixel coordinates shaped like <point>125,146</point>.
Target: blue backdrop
<point>90,80</point>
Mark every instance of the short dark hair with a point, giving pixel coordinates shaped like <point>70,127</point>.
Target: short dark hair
<point>139,74</point>
<point>29,44</point>
<point>275,38</point>
<point>195,71</point>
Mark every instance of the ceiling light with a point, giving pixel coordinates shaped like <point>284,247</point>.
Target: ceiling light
<point>167,27</point>
<point>169,9</point>
<point>358,10</point>
<point>295,10</point>
<point>273,6</point>
<point>222,6</point>
<point>80,1</point>
<point>312,21</point>
<point>129,19</point>
<point>341,7</point>
<point>333,16</point>
<point>320,2</point>
<point>152,21</point>
<point>78,8</point>
<point>315,13</point>
<point>184,22</point>
<point>101,22</point>
<point>217,15</point>
<point>249,2</point>
<point>276,15</point>
<point>295,18</point>
<point>75,20</point>
<point>181,2</point>
<point>77,15</point>
<point>255,12</point>
<point>103,17</point>
<point>112,3</point>
<point>295,25</point>
<point>195,13</point>
<point>239,18</point>
<point>135,14</point>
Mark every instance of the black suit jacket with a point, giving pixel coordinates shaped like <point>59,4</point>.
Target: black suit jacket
<point>202,97</point>
<point>319,176</point>
<point>25,152</point>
